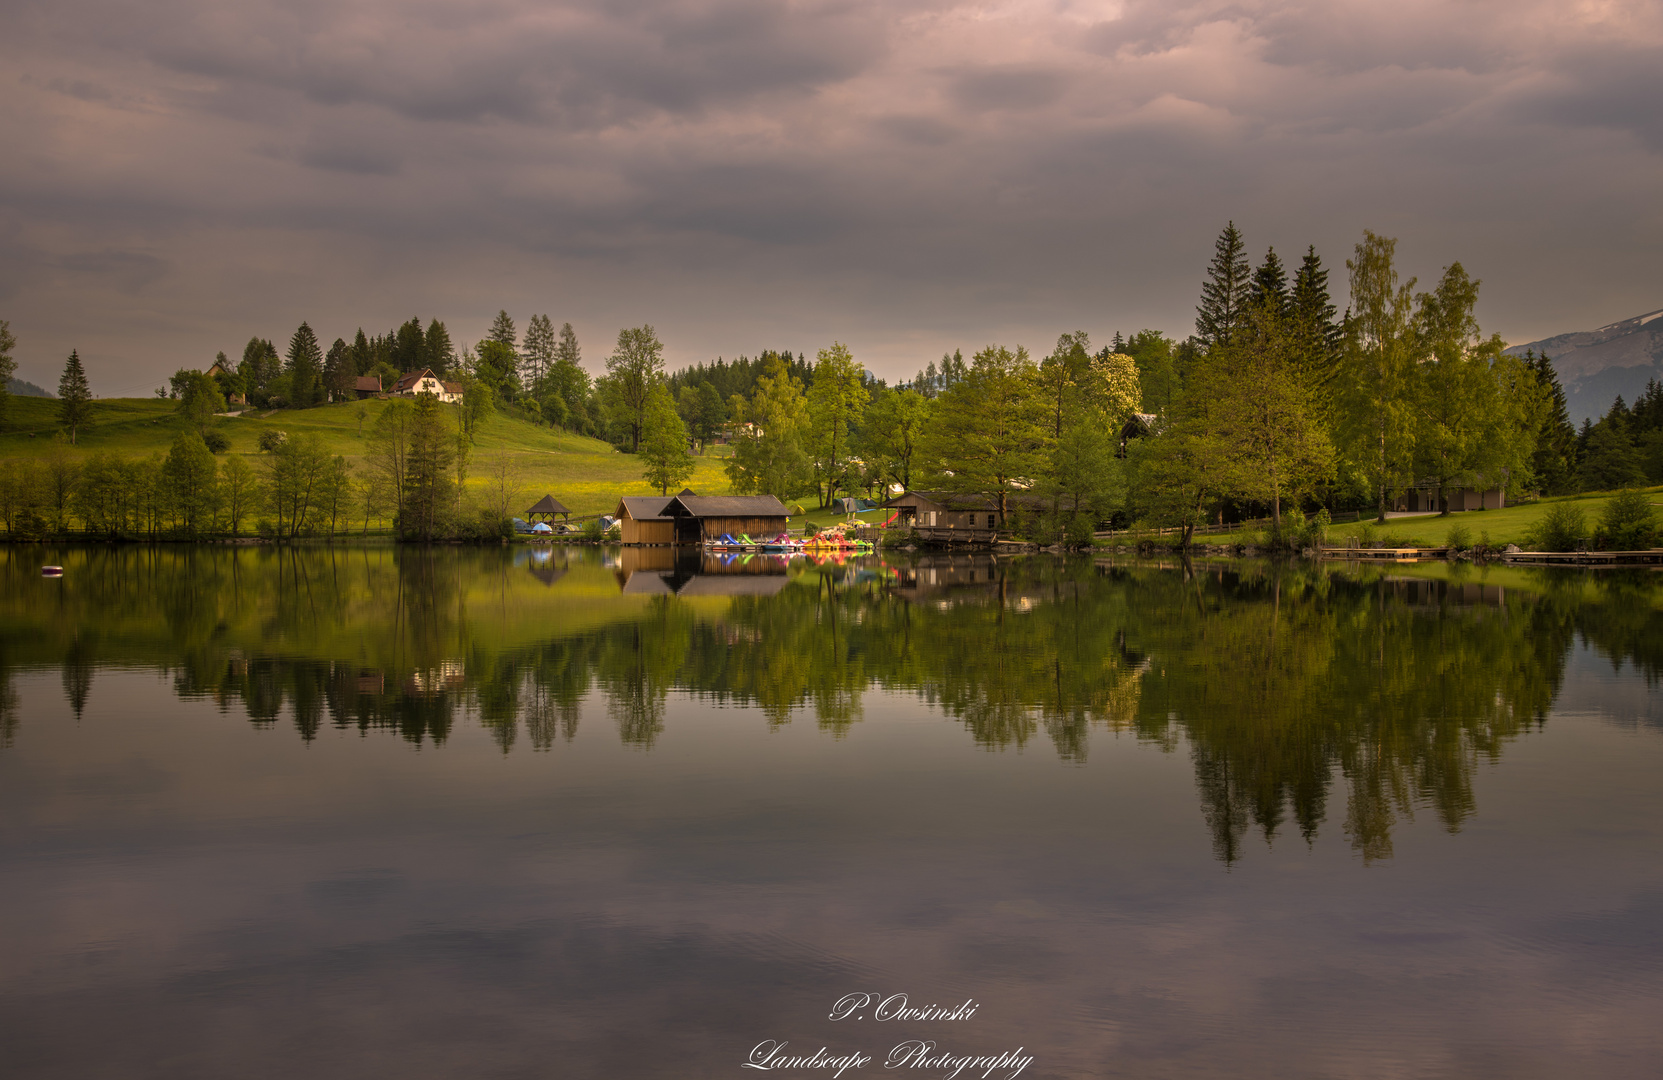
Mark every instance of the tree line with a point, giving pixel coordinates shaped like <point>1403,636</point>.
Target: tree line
<point>413,475</point>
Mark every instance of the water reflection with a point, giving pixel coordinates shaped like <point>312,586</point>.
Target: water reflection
<point>1290,687</point>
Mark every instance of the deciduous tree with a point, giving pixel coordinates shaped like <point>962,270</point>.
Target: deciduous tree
<point>836,401</point>
<point>636,366</point>
<point>664,447</point>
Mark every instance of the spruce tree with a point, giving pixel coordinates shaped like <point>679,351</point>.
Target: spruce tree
<point>502,329</point>
<point>305,367</point>
<point>537,355</point>
<point>1554,461</point>
<point>1224,293</point>
<point>74,396</point>
<point>438,353</point>
<point>1314,338</point>
<point>339,373</point>
<point>409,346</point>
<point>1270,282</point>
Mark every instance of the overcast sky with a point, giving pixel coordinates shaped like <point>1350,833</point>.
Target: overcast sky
<point>908,177</point>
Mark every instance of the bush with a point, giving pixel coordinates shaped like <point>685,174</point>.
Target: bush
<point>271,440</point>
<point>1459,538</point>
<point>263,528</point>
<point>217,442</point>
<point>1562,528</point>
<point>1628,523</point>
<point>592,529</point>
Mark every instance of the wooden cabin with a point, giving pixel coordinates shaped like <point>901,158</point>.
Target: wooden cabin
<point>1423,498</point>
<point>546,508</point>
<point>944,510</point>
<point>366,386</point>
<point>226,378</point>
<point>641,520</point>
<point>699,518</point>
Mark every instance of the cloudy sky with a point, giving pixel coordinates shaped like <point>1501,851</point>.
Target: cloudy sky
<point>907,176</point>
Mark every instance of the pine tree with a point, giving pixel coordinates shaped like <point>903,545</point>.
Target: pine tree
<point>74,396</point>
<point>537,354</point>
<point>1314,338</point>
<point>502,329</point>
<point>1554,461</point>
<point>437,351</point>
<point>409,346</point>
<point>305,368</point>
<point>1270,282</point>
<point>1224,293</point>
<point>339,374</point>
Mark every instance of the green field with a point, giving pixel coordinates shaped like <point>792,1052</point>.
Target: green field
<point>1501,526</point>
<point>586,474</point>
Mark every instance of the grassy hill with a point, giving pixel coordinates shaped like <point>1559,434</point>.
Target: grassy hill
<point>586,474</point>
<point>1430,530</point>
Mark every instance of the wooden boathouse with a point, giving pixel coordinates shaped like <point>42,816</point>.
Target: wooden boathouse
<point>693,519</point>
<point>641,520</point>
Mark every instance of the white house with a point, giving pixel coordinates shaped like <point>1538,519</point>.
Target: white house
<point>425,382</point>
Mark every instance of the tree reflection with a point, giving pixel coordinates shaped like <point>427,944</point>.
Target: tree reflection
<point>1281,682</point>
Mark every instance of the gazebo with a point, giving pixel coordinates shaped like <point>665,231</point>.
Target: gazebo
<point>547,507</point>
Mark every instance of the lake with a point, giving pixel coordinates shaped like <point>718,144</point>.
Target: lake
<point>534,812</point>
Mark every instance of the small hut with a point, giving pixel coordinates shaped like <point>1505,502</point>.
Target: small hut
<point>641,520</point>
<point>546,509</point>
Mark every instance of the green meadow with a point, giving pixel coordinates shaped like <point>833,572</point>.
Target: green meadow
<point>586,474</point>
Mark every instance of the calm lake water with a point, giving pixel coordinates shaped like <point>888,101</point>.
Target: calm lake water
<point>365,812</point>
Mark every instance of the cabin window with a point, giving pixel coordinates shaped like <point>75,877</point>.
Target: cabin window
<point>990,521</point>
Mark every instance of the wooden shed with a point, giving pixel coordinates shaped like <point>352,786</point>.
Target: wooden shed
<point>698,518</point>
<point>641,520</point>
<point>944,510</point>
<point>547,507</point>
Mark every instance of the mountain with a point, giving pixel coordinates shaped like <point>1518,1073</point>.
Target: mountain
<point>25,389</point>
<point>1595,366</point>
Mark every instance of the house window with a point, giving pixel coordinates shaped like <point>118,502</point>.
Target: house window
<point>990,521</point>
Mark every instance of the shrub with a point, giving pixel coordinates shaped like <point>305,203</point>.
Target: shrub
<point>1562,528</point>
<point>592,529</point>
<point>1628,523</point>
<point>1459,538</point>
<point>217,442</point>
<point>270,440</point>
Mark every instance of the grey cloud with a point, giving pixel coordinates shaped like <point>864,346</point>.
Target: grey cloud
<point>895,175</point>
<point>575,65</point>
<point>1022,87</point>
<point>126,271</point>
<point>1618,89</point>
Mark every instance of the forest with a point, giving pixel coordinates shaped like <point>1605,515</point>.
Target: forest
<point>1280,406</point>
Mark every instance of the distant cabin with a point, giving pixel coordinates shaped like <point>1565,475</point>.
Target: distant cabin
<point>366,386</point>
<point>426,382</point>
<point>692,519</point>
<point>944,510</point>
<point>546,508</point>
<point>221,375</point>
<point>1423,498</point>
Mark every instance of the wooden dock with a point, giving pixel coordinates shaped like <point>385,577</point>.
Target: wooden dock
<point>1654,557</point>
